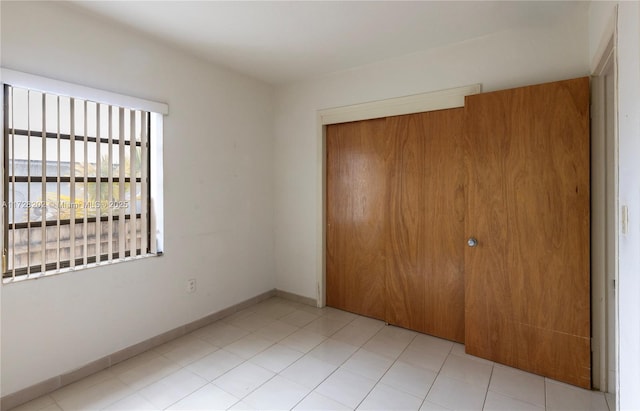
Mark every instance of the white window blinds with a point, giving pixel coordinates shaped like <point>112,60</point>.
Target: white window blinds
<point>76,182</point>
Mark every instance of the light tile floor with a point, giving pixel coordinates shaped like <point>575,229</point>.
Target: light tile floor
<point>280,355</point>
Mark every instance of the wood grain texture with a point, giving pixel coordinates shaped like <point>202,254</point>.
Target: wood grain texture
<point>527,295</point>
<point>425,264</point>
<point>395,194</point>
<point>405,280</point>
<point>357,185</point>
<point>444,214</point>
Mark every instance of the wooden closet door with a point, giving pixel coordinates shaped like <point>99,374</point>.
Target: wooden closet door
<point>527,281</point>
<point>356,237</point>
<point>425,263</point>
<point>395,220</point>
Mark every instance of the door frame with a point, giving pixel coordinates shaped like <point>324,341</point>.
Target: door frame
<point>604,308</point>
<point>417,103</point>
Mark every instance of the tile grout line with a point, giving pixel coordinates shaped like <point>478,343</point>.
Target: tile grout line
<point>514,397</point>
<point>347,359</point>
<point>181,367</point>
<point>437,375</point>
<point>387,370</point>
<point>246,361</point>
<point>278,373</point>
<point>486,393</point>
<point>174,403</point>
<point>243,362</point>
<point>337,368</point>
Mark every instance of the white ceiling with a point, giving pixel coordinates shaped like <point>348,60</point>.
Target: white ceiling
<point>285,41</point>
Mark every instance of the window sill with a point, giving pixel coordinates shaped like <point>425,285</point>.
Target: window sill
<point>35,276</point>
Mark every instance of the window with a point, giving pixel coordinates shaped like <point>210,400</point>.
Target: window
<point>77,183</point>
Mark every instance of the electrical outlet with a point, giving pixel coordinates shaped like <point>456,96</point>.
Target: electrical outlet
<point>191,285</point>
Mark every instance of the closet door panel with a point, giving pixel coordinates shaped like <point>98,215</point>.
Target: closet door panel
<point>527,285</point>
<point>405,280</point>
<point>444,212</point>
<point>425,281</point>
<point>356,234</point>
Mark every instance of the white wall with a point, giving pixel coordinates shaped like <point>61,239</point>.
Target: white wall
<point>628,107</point>
<point>218,196</point>
<point>498,61</point>
<point>629,195</point>
<point>601,25</point>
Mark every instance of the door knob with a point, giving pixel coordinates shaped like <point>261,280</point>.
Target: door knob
<point>472,242</point>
